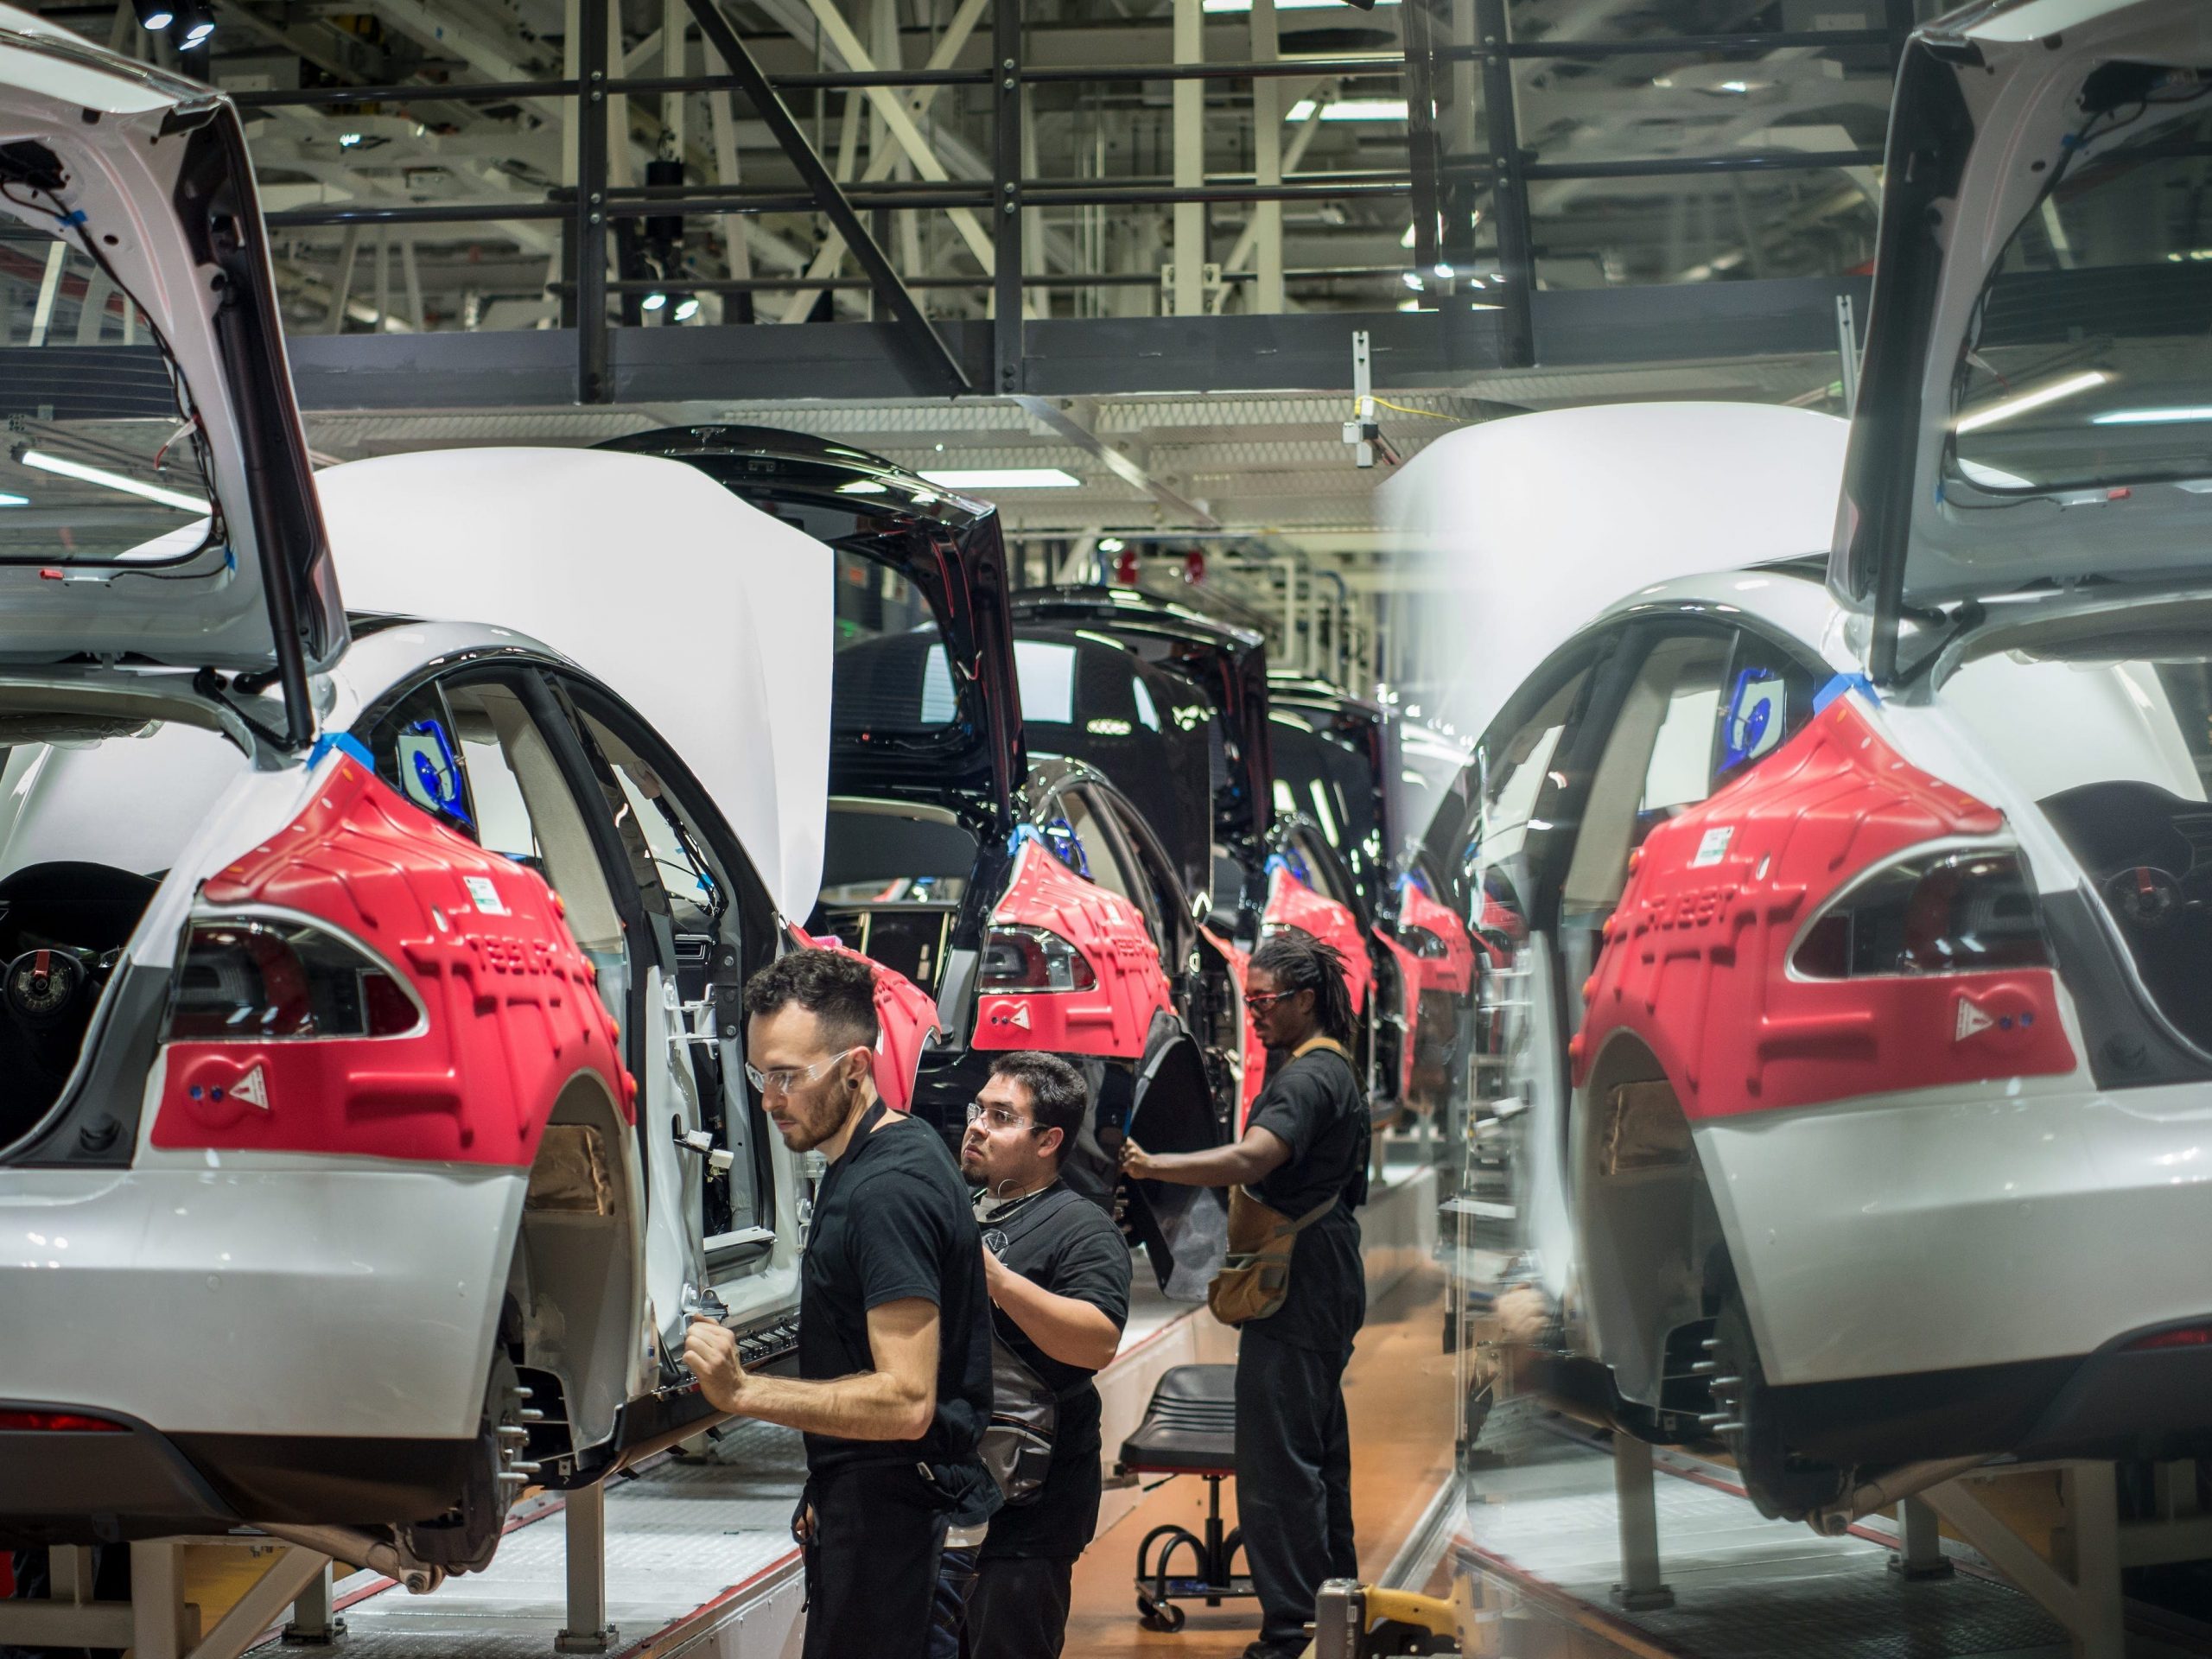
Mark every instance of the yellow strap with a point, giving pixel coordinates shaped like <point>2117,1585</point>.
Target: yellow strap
<point>1313,1043</point>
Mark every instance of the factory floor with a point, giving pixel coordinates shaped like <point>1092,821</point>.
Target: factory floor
<point>1398,1395</point>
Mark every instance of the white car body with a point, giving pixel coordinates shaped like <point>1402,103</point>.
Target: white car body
<point>476,1143</point>
<point>1852,999</point>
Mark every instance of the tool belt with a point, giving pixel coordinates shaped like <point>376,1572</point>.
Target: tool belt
<point>1254,1278</point>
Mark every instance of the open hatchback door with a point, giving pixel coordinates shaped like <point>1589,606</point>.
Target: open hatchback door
<point>2034,415</point>
<point>195,541</point>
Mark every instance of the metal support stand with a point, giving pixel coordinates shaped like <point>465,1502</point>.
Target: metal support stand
<point>1920,1545</point>
<point>1641,1589</point>
<point>587,1630</point>
<point>312,1624</point>
<point>156,1623</point>
<point>2082,1593</point>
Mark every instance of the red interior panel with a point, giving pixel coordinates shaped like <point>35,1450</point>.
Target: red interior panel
<point>513,1016</point>
<point>1255,1053</point>
<point>906,1017</point>
<point>1409,967</point>
<point>1696,961</point>
<point>1454,971</point>
<point>1112,1018</point>
<point>1291,903</point>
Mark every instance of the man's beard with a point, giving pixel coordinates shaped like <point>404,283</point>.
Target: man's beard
<point>815,1121</point>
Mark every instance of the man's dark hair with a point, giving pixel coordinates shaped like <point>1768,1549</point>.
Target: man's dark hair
<point>836,988</point>
<point>1299,961</point>
<point>1058,1097</point>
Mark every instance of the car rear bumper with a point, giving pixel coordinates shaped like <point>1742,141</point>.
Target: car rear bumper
<point>253,1301</point>
<point>1973,1231</point>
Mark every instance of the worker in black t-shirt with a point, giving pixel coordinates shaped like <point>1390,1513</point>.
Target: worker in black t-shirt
<point>1306,1141</point>
<point>1057,1271</point>
<point>894,1383</point>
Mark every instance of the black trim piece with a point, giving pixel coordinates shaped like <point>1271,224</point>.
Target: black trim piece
<point>100,1487</point>
<point>97,1126</point>
<point>331,1480</point>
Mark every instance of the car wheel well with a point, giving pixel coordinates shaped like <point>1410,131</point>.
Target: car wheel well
<point>574,1281</point>
<point>1650,1230</point>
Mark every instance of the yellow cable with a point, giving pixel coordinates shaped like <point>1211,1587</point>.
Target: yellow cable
<point>1426,414</point>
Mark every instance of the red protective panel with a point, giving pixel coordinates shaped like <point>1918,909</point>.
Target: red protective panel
<point>513,1016</point>
<point>1409,967</point>
<point>1454,971</point>
<point>906,1017</point>
<point>1291,903</point>
<point>1112,1018</point>
<point>1256,1052</point>
<point>1696,961</point>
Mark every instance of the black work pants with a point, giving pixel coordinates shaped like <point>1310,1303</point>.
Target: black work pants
<point>871,1566</point>
<point>1293,1479</point>
<point>1018,1608</point>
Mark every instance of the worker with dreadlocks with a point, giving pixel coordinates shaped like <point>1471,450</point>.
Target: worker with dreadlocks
<point>1300,1167</point>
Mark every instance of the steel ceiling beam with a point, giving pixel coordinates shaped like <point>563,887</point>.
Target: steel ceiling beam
<point>932,362</point>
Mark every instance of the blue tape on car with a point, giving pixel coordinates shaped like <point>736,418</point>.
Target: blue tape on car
<point>1841,684</point>
<point>346,742</point>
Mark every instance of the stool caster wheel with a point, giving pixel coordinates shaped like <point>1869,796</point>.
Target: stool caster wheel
<point>1159,1615</point>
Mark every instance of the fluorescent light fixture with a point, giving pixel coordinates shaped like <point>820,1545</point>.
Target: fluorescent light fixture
<point>1004,478</point>
<point>863,487</point>
<point>349,141</point>
<point>1111,544</point>
<point>1411,279</point>
<point>2020,402</point>
<point>653,301</point>
<point>2149,417</point>
<point>686,309</point>
<point>1735,86</point>
<point>1444,271</point>
<point>7,500</point>
<point>1351,109</point>
<point>77,469</point>
<point>1407,240</point>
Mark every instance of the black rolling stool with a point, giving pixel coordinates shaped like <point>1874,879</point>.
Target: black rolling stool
<point>1189,1428</point>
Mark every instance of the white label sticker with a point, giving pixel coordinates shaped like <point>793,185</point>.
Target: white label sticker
<point>1713,846</point>
<point>1972,1021</point>
<point>253,1089</point>
<point>485,895</point>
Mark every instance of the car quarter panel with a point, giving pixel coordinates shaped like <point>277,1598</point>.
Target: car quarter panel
<point>1696,961</point>
<point>512,1018</point>
<point>1113,1018</point>
<point>1943,1228</point>
<point>285,1271</point>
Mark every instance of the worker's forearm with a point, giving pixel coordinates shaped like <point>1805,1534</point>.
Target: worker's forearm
<point>866,1406</point>
<point>1230,1165</point>
<point>1072,1332</point>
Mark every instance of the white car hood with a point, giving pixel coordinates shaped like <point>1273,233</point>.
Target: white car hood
<point>712,618</point>
<point>149,176</point>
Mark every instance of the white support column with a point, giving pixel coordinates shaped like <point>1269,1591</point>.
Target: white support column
<point>1187,295</point>
<point>408,268</point>
<point>1641,1589</point>
<point>341,291</point>
<point>585,1544</point>
<point>1265,224</point>
<point>313,1625</point>
<point>159,1619</point>
<point>1920,1544</point>
<point>93,314</point>
<point>675,107</point>
<point>49,285</point>
<point>384,279</point>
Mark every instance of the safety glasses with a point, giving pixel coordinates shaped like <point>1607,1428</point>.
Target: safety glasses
<point>785,1078</point>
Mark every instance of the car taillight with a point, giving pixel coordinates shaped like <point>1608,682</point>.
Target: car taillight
<point>2185,1335</point>
<point>1033,959</point>
<point>261,979</point>
<point>1949,911</point>
<point>57,1422</point>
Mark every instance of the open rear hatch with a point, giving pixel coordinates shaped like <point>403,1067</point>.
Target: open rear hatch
<point>189,537</point>
<point>2035,403</point>
<point>2029,486</point>
<point>1228,668</point>
<point>926,756</point>
<point>1330,761</point>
